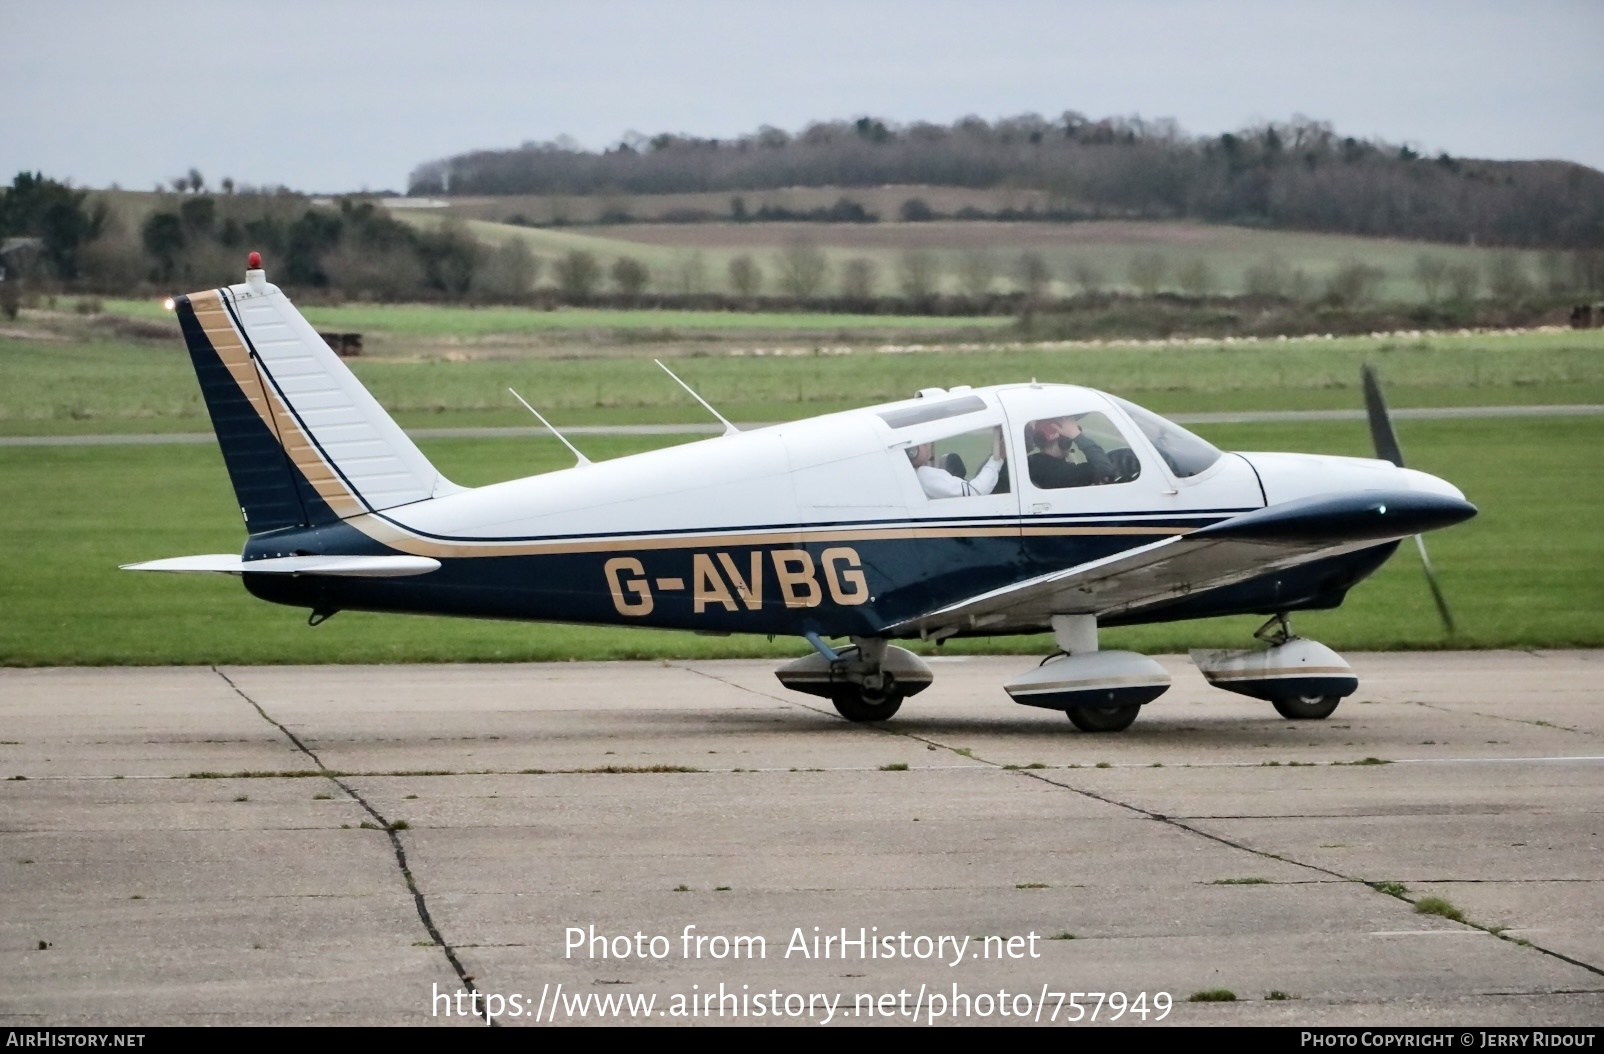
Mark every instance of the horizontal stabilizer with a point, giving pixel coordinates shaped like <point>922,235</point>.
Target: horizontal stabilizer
<point>338,566</point>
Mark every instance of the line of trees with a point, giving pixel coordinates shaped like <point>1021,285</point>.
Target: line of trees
<point>356,248</point>
<point>61,238</point>
<point>65,238</point>
<point>800,272</point>
<point>845,209</point>
<point>53,218</point>
<point>1299,174</point>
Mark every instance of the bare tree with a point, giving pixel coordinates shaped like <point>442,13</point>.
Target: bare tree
<point>1354,282</point>
<point>1270,276</point>
<point>918,272</point>
<point>1087,276</point>
<point>1587,270</point>
<point>1464,282</point>
<point>746,278</point>
<point>1431,271</point>
<point>916,210</point>
<point>391,274</point>
<point>577,273</point>
<point>1196,278</point>
<point>802,269</point>
<point>858,278</point>
<point>630,275</point>
<point>508,272</point>
<point>688,273</point>
<point>976,273</point>
<point>1147,272</point>
<point>453,257</point>
<point>1556,276</point>
<point>1507,278</point>
<point>1033,274</point>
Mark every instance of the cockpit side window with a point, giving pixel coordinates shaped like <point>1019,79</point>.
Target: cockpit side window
<point>966,465</point>
<point>1184,453</point>
<point>1078,450</point>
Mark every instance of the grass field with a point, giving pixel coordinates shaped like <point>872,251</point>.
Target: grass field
<point>1528,572</point>
<point>85,383</point>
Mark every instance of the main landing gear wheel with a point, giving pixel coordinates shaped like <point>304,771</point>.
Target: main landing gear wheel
<point>856,702</point>
<point>1307,707</point>
<point>1104,718</point>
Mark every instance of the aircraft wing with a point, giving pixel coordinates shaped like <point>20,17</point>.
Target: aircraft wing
<point>1234,550</point>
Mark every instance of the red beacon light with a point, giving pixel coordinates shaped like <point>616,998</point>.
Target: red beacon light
<point>255,277</point>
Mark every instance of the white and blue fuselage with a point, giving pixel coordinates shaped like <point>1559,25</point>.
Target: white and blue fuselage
<point>823,526</point>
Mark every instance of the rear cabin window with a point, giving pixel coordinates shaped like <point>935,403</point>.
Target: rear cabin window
<point>967,465</point>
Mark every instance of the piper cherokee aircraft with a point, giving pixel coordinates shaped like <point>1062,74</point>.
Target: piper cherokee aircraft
<point>1015,508</point>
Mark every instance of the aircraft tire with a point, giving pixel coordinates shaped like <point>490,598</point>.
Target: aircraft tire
<point>855,704</point>
<point>1307,707</point>
<point>1103,718</point>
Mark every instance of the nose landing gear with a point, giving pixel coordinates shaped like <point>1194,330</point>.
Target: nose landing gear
<point>1303,679</point>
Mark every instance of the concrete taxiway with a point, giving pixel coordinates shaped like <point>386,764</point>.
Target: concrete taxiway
<point>347,844</point>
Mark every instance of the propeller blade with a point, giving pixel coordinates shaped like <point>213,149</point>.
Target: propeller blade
<point>1436,590</point>
<point>1386,442</point>
<point>1381,433</point>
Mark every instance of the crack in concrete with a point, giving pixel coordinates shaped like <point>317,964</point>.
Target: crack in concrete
<point>1038,774</point>
<point>1499,881</point>
<point>1500,717</point>
<point>418,900</point>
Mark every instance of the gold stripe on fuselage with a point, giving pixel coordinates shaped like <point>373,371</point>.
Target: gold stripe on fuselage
<point>403,540</point>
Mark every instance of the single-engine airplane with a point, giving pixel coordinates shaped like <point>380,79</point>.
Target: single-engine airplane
<point>1007,509</point>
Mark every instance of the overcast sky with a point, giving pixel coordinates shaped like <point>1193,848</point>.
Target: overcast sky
<point>336,96</point>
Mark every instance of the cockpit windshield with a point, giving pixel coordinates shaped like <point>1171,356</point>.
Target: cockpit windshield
<point>1184,453</point>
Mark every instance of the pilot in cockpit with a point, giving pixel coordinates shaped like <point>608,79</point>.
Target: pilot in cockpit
<point>1051,440</point>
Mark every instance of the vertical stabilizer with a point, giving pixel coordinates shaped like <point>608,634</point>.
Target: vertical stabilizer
<point>304,442</point>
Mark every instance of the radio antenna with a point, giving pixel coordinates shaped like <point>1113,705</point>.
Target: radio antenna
<point>583,460</point>
<point>729,429</point>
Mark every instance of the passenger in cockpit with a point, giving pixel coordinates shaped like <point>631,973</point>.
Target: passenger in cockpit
<point>939,483</point>
<point>1050,467</point>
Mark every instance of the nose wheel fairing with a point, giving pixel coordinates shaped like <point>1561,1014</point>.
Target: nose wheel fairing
<point>1294,669</point>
